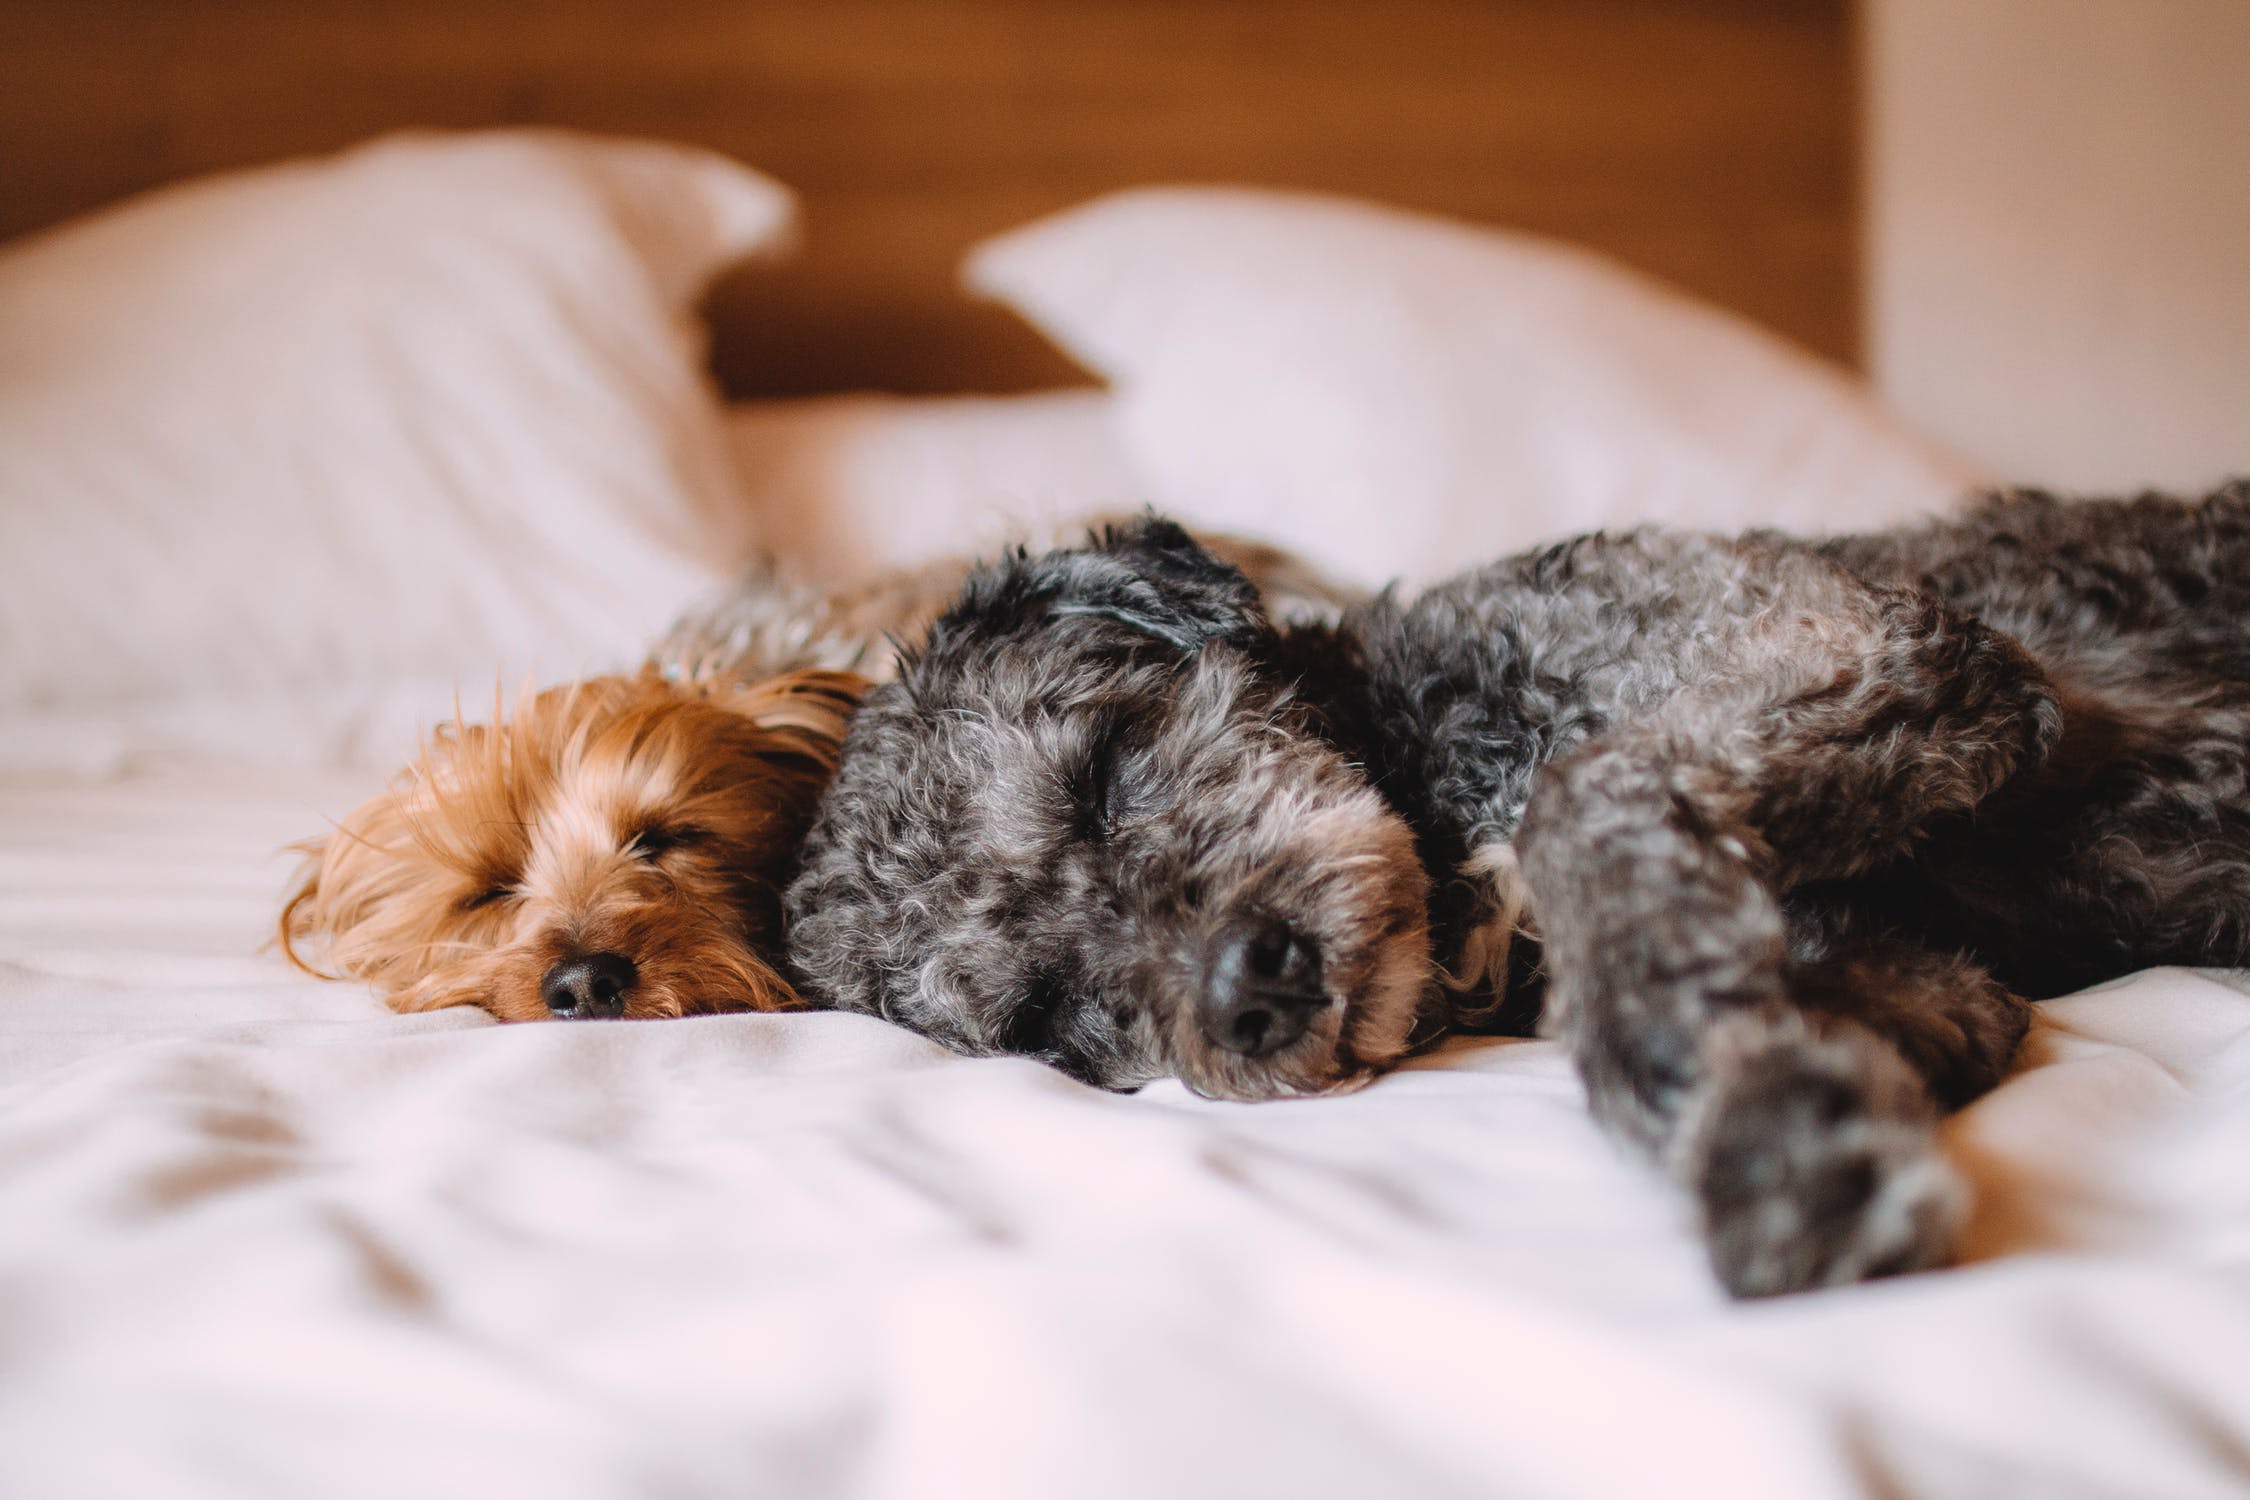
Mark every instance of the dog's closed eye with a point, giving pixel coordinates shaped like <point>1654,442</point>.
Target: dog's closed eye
<point>491,895</point>
<point>1102,787</point>
<point>660,839</point>
<point>1101,790</point>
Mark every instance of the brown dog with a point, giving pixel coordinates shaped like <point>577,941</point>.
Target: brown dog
<point>611,848</point>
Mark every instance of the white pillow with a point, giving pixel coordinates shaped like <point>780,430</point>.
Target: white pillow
<point>1402,395</point>
<point>429,408</point>
<point>845,487</point>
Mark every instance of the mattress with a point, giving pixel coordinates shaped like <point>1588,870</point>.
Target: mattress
<point>259,1236</point>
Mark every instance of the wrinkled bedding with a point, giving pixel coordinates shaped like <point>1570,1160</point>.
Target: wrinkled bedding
<point>258,1236</point>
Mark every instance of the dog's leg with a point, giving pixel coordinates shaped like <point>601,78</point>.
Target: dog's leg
<point>1808,1145</point>
<point>1798,1103</point>
<point>1807,1139</point>
<point>1852,735</point>
<point>1956,1025</point>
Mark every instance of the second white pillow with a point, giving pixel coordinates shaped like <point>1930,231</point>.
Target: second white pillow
<point>1398,395</point>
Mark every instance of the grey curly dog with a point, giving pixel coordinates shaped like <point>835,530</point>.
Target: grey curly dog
<point>1776,835</point>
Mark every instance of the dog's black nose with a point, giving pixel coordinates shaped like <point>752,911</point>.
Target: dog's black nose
<point>1261,989</point>
<point>588,988</point>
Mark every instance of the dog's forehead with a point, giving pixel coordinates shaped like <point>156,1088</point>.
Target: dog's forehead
<point>1026,698</point>
<point>1136,588</point>
<point>1048,666</point>
<point>1049,653</point>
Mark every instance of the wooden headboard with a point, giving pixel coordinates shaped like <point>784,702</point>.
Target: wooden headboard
<point>1709,141</point>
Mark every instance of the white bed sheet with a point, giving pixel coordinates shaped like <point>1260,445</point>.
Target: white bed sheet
<point>259,1237</point>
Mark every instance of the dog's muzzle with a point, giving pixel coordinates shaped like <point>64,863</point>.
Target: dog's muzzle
<point>590,988</point>
<point>1261,987</point>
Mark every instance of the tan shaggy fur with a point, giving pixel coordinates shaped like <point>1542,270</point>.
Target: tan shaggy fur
<point>642,815</point>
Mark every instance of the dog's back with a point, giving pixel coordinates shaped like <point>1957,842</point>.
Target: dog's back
<point>2129,845</point>
<point>2110,590</point>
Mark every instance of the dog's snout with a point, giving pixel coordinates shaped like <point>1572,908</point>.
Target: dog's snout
<point>1261,988</point>
<point>590,987</point>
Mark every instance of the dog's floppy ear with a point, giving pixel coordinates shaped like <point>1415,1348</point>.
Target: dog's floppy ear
<point>807,712</point>
<point>1150,575</point>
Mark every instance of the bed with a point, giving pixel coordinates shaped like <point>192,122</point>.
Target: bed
<point>290,456</point>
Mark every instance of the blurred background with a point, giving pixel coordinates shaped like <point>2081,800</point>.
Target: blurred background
<point>2027,220</point>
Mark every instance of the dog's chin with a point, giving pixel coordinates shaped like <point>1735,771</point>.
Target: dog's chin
<point>1316,1067</point>
<point>715,979</point>
<point>512,1005</point>
<point>1248,1083</point>
<point>1273,1090</point>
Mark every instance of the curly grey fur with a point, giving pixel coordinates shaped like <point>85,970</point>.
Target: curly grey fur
<point>1794,824</point>
<point>772,620</point>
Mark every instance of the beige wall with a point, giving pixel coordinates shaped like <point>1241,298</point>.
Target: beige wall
<point>1706,141</point>
<point>2058,219</point>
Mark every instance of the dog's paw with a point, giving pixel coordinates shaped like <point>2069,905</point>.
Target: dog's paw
<point>1816,1172</point>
